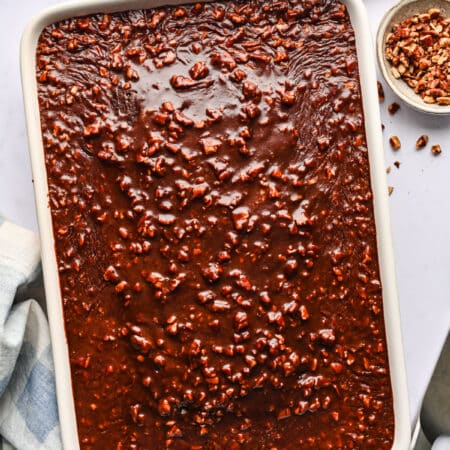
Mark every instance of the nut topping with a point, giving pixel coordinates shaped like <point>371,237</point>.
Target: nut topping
<point>209,186</point>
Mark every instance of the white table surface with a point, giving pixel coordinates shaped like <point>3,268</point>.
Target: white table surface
<point>420,203</point>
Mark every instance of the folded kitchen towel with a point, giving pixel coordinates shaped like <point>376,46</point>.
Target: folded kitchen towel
<point>28,410</point>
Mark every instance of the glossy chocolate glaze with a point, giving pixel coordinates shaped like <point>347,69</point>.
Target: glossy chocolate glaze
<point>212,210</point>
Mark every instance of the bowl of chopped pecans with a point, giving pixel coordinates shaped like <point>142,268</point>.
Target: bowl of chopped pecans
<point>413,49</point>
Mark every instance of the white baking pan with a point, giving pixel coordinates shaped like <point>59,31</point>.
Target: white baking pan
<point>361,26</point>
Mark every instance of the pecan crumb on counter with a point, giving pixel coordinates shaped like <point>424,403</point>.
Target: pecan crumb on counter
<point>421,142</point>
<point>436,149</point>
<point>209,186</point>
<point>393,108</point>
<point>395,142</point>
<point>380,92</point>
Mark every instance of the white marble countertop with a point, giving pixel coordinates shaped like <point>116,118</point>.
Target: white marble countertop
<point>420,206</point>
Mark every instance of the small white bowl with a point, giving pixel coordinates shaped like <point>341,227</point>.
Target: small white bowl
<point>398,13</point>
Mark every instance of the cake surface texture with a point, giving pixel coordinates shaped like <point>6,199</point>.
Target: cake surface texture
<point>209,186</point>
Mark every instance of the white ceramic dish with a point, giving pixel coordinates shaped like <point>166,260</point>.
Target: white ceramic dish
<point>360,23</point>
<point>398,13</point>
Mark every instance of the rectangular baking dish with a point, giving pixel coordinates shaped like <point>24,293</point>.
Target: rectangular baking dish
<point>361,27</point>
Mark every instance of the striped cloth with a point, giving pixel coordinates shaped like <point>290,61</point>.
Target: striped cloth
<point>28,410</point>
